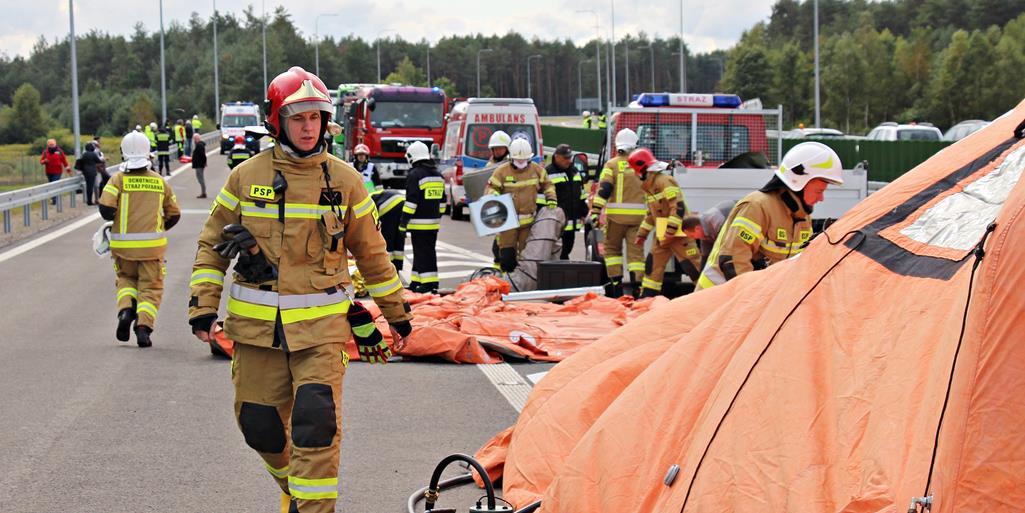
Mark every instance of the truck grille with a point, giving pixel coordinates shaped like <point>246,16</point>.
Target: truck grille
<point>400,145</point>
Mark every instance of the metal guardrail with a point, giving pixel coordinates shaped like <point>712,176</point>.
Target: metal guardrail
<point>54,192</point>
<point>42,194</point>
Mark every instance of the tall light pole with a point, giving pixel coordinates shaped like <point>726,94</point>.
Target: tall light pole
<point>264,30</point>
<point>74,81</point>
<point>818,111</point>
<point>612,51</point>
<point>597,54</point>
<point>683,66</point>
<point>163,81</point>
<point>377,43</point>
<point>529,83</point>
<point>316,42</point>
<point>626,46</point>
<point>651,47</point>
<point>217,82</point>
<point>480,51</point>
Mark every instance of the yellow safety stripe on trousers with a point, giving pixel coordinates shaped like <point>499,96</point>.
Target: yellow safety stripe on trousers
<point>279,473</point>
<point>424,224</point>
<point>127,291</point>
<point>147,307</point>
<point>363,207</point>
<point>613,260</point>
<point>635,267</point>
<point>391,203</point>
<point>109,188</point>
<point>313,489</point>
<point>648,283</point>
<point>424,277</point>
<point>207,276</point>
<point>599,202</point>
<point>137,240</point>
<point>383,289</point>
<point>626,209</point>
<point>751,228</point>
<point>409,207</point>
<point>227,199</point>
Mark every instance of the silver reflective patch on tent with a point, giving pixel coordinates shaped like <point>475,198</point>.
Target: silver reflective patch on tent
<point>959,220</point>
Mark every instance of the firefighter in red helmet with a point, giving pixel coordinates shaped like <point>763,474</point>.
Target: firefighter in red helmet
<point>239,152</point>
<point>291,216</point>
<point>666,210</point>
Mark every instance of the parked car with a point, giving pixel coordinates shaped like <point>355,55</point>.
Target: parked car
<point>814,133</point>
<point>964,129</point>
<point>891,131</point>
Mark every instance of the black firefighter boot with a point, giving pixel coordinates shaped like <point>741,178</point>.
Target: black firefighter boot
<point>142,334</point>
<point>125,318</point>
<point>615,287</point>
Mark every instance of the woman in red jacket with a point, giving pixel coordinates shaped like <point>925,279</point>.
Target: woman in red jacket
<point>54,161</point>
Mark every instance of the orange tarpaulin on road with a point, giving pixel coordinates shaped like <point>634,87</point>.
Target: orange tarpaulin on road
<point>474,325</point>
<point>885,363</point>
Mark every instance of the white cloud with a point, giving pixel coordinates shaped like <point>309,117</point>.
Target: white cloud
<point>708,24</point>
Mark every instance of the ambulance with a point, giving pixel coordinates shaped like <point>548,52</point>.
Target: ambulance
<point>465,148</point>
<point>235,118</point>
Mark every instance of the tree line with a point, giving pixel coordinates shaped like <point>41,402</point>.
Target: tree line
<point>934,60</point>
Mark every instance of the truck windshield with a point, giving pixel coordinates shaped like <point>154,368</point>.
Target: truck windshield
<point>477,137</point>
<point>716,142</point>
<point>238,120</point>
<point>406,115</point>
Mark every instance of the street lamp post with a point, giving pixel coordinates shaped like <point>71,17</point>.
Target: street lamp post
<point>163,73</point>
<point>377,43</point>
<point>580,81</point>
<point>480,51</point>
<point>217,82</point>
<point>818,117</point>
<point>316,41</point>
<point>597,55</point>
<point>612,52</point>
<point>74,81</point>
<point>626,46</point>
<point>263,29</point>
<point>529,83</point>
<point>683,66</point>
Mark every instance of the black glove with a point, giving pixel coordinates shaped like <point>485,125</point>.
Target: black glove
<point>371,345</point>
<point>403,328</point>
<point>203,323</point>
<point>253,267</point>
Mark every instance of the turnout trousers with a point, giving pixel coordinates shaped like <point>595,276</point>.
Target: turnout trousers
<point>140,285</point>
<point>424,277</point>
<point>683,249</point>
<point>617,236</point>
<point>393,238</point>
<point>288,406</point>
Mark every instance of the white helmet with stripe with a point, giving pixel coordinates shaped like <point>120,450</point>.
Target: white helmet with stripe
<point>807,161</point>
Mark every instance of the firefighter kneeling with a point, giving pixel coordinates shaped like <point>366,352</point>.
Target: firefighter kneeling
<point>291,215</point>
<point>666,210</point>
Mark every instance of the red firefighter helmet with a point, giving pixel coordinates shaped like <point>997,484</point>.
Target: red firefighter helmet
<point>361,149</point>
<point>640,159</point>
<point>293,87</point>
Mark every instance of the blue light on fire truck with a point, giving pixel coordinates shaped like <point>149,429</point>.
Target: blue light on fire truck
<point>724,101</point>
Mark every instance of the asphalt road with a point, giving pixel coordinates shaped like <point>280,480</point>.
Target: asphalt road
<point>90,425</point>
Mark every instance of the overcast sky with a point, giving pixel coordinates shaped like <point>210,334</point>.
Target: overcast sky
<point>708,24</point>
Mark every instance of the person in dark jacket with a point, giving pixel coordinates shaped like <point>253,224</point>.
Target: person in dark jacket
<point>421,216</point>
<point>199,162</point>
<point>101,169</point>
<point>164,139</point>
<point>571,195</point>
<point>88,165</point>
<point>189,132</point>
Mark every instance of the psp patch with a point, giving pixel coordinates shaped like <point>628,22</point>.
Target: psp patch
<point>746,235</point>
<point>261,192</point>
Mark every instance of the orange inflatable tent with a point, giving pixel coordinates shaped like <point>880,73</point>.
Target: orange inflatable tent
<point>883,364</point>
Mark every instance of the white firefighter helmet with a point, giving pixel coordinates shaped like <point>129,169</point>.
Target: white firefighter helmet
<point>807,161</point>
<point>135,150</point>
<point>626,140</point>
<point>499,139</point>
<point>153,125</point>
<point>416,152</point>
<point>520,149</point>
<point>586,114</point>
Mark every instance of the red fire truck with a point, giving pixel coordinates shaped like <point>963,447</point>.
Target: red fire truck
<point>389,118</point>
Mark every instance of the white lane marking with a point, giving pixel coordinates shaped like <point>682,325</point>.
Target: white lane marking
<point>35,243</point>
<point>509,383</point>
<point>462,251</point>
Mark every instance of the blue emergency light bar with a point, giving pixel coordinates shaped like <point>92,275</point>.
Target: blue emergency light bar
<point>722,101</point>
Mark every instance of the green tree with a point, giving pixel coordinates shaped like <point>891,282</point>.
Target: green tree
<point>792,83</point>
<point>27,120</point>
<point>947,91</point>
<point>406,73</point>
<point>748,70</point>
<point>448,86</point>
<point>843,74</point>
